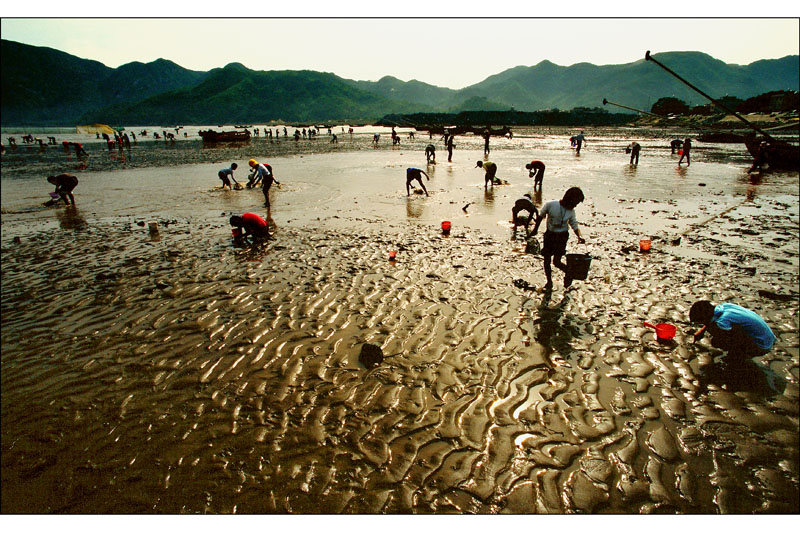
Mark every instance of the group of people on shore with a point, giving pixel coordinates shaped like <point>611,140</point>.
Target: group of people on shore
<point>737,330</point>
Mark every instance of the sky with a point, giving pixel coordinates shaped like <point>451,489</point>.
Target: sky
<point>447,52</point>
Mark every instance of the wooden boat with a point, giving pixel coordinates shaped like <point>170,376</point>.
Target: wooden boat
<point>212,136</point>
<point>780,154</point>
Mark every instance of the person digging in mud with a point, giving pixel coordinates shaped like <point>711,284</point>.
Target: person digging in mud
<point>430,153</point>
<point>536,169</point>
<point>228,172</point>
<point>64,184</point>
<point>524,204</point>
<point>412,174</point>
<point>251,224</point>
<point>560,216</point>
<point>491,171</point>
<point>740,332</point>
<point>263,174</point>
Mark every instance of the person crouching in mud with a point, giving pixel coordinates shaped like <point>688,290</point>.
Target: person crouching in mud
<point>524,204</point>
<point>412,174</point>
<point>739,331</point>
<point>64,184</point>
<point>250,224</point>
<point>560,216</point>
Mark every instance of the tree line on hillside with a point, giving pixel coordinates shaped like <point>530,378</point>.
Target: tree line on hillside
<point>555,117</point>
<point>771,102</point>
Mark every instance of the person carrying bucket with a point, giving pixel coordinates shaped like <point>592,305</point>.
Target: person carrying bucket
<point>560,216</point>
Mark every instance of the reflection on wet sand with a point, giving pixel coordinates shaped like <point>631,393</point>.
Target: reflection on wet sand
<point>181,373</point>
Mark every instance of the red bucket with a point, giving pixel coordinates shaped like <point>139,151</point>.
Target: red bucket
<point>446,228</point>
<point>236,232</point>
<point>664,331</point>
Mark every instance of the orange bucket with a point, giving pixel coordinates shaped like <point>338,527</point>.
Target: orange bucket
<point>644,245</point>
<point>392,256</point>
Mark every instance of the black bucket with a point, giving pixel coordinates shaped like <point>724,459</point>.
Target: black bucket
<point>578,265</point>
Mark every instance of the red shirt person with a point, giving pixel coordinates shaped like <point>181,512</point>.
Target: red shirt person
<point>251,224</point>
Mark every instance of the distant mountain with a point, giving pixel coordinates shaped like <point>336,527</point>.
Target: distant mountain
<point>42,86</point>
<point>412,91</point>
<point>235,94</point>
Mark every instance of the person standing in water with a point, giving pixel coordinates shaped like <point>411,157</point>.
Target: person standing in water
<point>486,137</point>
<point>450,146</point>
<point>412,174</point>
<point>634,150</point>
<point>265,176</point>
<point>687,147</point>
<point>536,169</point>
<point>560,216</point>
<point>225,173</point>
<point>579,141</point>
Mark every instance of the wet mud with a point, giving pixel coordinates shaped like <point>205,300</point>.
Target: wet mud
<point>177,372</point>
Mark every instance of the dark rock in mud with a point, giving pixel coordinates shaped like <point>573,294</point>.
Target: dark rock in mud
<point>370,356</point>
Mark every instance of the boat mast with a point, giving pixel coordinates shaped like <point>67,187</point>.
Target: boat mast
<point>648,57</point>
<point>633,109</point>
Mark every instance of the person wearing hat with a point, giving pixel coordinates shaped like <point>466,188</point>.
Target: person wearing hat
<point>560,217</point>
<point>524,203</point>
<point>64,184</point>
<point>263,173</point>
<point>536,169</point>
<point>491,171</point>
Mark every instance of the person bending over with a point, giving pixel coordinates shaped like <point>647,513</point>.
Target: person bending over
<point>225,173</point>
<point>536,169</point>
<point>524,204</point>
<point>412,174</point>
<point>491,171</point>
<point>64,184</point>
<point>251,224</point>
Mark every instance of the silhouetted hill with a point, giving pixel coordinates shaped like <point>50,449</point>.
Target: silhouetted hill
<point>639,84</point>
<point>235,94</point>
<point>42,86</point>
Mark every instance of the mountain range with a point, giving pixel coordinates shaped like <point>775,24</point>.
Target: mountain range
<point>42,86</point>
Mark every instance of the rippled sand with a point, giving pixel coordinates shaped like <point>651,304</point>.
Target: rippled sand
<point>178,373</point>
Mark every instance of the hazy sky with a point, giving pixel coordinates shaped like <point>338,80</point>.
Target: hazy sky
<point>448,52</point>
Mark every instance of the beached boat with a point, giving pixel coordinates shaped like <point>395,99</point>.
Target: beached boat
<point>212,136</point>
<point>780,154</point>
